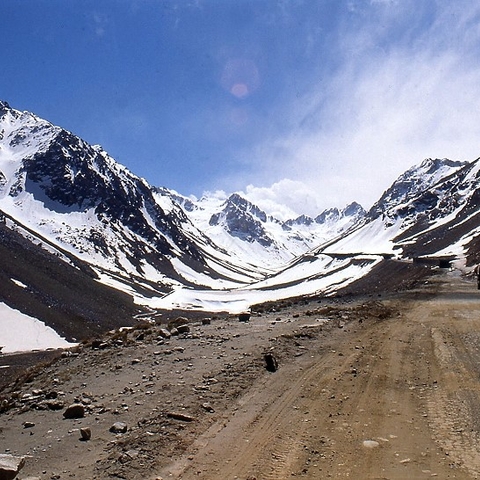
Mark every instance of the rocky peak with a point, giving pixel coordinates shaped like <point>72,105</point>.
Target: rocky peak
<point>243,205</point>
<point>330,214</point>
<point>4,107</point>
<point>354,209</point>
<point>414,182</point>
<point>242,219</point>
<point>301,220</point>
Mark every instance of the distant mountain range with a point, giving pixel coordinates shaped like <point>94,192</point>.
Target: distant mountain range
<point>159,249</point>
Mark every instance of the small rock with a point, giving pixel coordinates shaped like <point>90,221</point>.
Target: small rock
<point>119,427</point>
<point>28,424</point>
<point>244,317</point>
<point>370,444</point>
<point>10,465</point>
<point>86,433</point>
<point>180,416</point>
<point>128,456</point>
<point>99,344</point>
<point>206,321</point>
<point>208,407</point>
<point>271,362</point>
<point>183,329</point>
<point>76,410</point>
<point>54,404</point>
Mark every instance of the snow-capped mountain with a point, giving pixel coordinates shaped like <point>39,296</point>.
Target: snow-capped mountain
<point>413,182</point>
<point>76,197</point>
<point>255,238</point>
<point>430,210</point>
<point>169,251</point>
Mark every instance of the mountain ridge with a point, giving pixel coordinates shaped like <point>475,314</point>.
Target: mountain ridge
<point>168,251</point>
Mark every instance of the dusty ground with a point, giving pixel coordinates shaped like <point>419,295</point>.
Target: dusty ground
<point>384,388</point>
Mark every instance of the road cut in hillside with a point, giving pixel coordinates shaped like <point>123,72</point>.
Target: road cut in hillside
<point>395,399</point>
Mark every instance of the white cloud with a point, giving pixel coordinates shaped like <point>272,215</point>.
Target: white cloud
<point>217,195</point>
<point>274,200</point>
<point>382,112</point>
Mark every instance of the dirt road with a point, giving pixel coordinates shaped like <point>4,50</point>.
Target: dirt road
<point>397,398</point>
<point>374,388</point>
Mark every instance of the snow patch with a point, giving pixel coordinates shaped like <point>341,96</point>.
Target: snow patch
<point>22,333</point>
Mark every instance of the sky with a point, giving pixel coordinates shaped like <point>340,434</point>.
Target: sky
<point>300,105</point>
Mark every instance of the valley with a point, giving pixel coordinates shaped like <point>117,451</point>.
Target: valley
<point>359,358</point>
<point>367,386</point>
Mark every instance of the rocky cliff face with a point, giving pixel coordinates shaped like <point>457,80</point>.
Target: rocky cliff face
<point>415,187</point>
<point>242,219</point>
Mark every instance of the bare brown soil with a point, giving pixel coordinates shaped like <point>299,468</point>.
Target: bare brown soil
<point>371,388</point>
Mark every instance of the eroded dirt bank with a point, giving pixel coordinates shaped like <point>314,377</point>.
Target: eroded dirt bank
<point>377,388</point>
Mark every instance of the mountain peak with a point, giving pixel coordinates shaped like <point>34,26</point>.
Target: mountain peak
<point>352,209</point>
<point>4,105</point>
<point>431,165</point>
<point>242,219</point>
<point>414,181</point>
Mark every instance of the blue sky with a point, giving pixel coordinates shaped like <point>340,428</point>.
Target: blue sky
<point>308,104</point>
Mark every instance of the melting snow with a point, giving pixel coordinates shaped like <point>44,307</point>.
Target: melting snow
<point>21,333</point>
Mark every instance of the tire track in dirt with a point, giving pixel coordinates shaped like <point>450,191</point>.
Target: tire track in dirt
<point>455,402</point>
<point>366,405</point>
<point>389,399</point>
<point>269,437</point>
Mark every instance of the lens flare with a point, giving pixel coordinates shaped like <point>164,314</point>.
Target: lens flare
<point>240,90</point>
<point>240,77</point>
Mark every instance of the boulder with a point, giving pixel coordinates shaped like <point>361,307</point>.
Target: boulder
<point>119,427</point>
<point>244,316</point>
<point>76,410</point>
<point>164,333</point>
<point>183,329</point>
<point>86,433</point>
<point>10,465</point>
<point>271,362</point>
<point>177,322</point>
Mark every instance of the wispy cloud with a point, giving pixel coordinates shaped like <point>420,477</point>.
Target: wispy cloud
<point>284,199</point>
<point>100,23</point>
<point>402,92</point>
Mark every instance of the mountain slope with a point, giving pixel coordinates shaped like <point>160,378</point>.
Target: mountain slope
<point>170,251</point>
<point>252,237</point>
<point>79,198</point>
<point>431,210</point>
<point>64,296</point>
